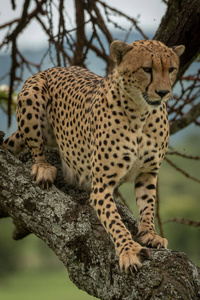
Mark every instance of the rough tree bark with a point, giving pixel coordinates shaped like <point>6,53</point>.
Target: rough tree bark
<point>180,26</point>
<point>64,220</point>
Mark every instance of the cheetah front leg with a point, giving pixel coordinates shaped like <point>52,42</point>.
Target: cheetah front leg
<point>145,190</point>
<point>131,254</point>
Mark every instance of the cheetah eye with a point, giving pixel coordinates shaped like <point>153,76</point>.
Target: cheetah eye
<point>147,70</point>
<point>171,69</point>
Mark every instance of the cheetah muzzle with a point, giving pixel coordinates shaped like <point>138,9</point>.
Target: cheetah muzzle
<point>109,131</point>
<point>155,103</point>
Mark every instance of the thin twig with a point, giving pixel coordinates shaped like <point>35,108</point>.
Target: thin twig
<point>183,155</point>
<point>119,194</point>
<point>183,221</point>
<point>120,13</point>
<point>157,210</point>
<point>181,170</point>
<point>185,119</point>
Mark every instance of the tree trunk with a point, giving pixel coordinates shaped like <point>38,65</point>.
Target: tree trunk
<point>78,58</point>
<point>64,220</point>
<point>181,26</point>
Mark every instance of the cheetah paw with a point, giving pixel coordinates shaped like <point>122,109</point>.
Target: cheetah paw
<point>151,239</point>
<point>130,261</point>
<point>44,174</point>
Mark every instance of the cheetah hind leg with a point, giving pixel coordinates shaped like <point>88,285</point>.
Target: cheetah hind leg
<point>42,171</point>
<point>14,143</point>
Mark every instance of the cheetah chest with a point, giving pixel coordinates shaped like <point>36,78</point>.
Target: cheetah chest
<point>146,158</point>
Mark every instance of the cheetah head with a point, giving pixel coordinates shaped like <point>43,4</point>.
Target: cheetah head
<point>146,70</point>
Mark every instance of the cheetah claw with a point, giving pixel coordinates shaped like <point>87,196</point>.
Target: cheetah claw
<point>131,261</point>
<point>44,174</point>
<point>151,239</point>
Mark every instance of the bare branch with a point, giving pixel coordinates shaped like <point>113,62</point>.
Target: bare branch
<point>185,120</point>
<point>99,20</point>
<point>158,210</point>
<point>8,24</point>
<point>22,23</point>
<point>119,194</point>
<point>133,21</point>
<point>13,4</point>
<point>78,58</point>
<point>178,27</point>
<point>183,221</point>
<point>183,155</point>
<point>181,170</point>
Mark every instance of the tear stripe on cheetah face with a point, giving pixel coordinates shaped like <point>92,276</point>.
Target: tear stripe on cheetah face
<point>154,72</point>
<point>106,132</point>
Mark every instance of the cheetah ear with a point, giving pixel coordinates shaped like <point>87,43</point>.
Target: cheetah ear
<point>179,50</point>
<point>118,49</point>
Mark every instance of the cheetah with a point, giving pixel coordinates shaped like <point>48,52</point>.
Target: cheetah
<point>109,131</point>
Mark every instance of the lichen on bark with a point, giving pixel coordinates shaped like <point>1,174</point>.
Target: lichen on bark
<point>64,220</point>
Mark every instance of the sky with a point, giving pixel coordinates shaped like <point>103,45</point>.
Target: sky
<point>150,11</point>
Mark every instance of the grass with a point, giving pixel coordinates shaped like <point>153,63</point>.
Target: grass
<point>40,285</point>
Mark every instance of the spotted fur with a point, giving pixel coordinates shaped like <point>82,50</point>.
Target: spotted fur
<point>109,131</point>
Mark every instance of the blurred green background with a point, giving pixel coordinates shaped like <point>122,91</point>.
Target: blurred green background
<point>30,270</point>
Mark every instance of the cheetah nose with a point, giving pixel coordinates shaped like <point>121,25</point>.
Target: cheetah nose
<point>162,93</point>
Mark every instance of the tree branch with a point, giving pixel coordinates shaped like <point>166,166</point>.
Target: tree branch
<point>183,221</point>
<point>185,120</point>
<point>180,25</point>
<point>78,58</point>
<point>64,219</point>
<point>120,13</point>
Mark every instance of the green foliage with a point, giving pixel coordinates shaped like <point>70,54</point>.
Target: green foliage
<point>4,90</point>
